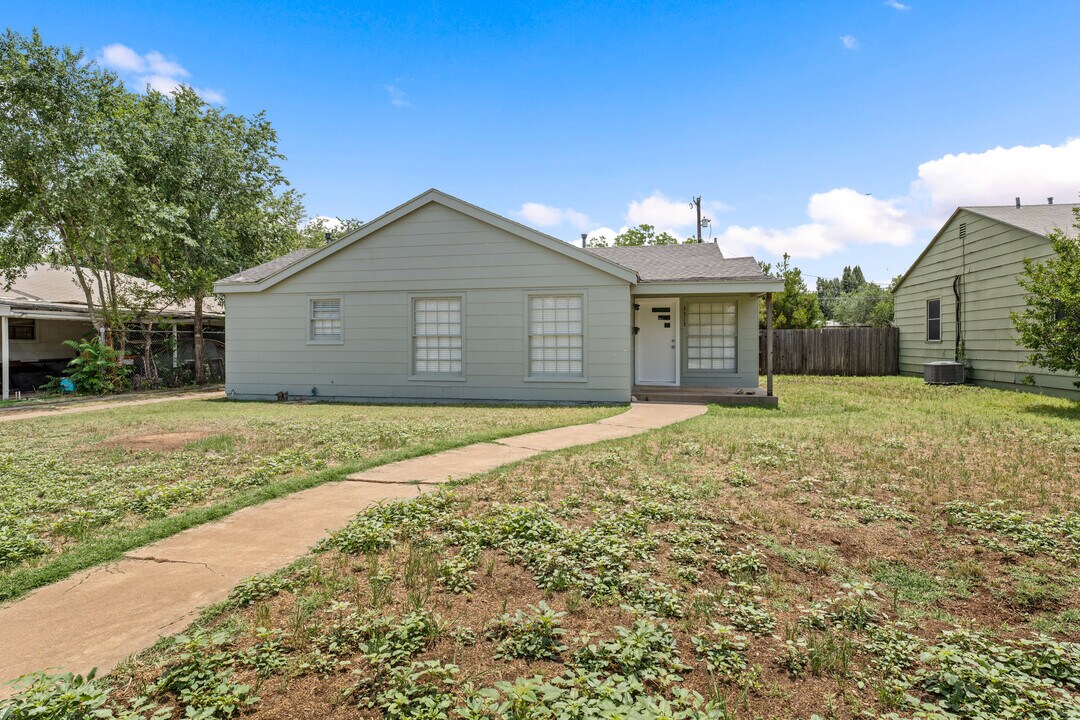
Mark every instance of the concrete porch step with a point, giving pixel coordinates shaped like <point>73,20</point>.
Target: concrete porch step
<point>716,396</point>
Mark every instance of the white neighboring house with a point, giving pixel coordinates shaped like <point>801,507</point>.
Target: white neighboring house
<point>46,307</point>
<point>440,300</point>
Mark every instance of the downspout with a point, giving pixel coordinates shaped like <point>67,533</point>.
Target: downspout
<point>958,353</point>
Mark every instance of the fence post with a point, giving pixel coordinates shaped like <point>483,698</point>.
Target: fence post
<point>768,344</point>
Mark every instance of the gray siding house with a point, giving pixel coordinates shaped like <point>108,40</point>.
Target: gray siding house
<point>955,300</point>
<point>440,300</point>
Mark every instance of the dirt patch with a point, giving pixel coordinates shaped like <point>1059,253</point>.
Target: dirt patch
<point>160,442</point>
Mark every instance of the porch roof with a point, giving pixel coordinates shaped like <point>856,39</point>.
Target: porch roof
<point>689,263</point>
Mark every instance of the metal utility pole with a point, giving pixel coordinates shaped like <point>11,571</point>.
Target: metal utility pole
<point>696,202</point>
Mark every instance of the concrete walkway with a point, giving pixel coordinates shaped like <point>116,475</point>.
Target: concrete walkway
<point>99,617</point>
<point>16,414</point>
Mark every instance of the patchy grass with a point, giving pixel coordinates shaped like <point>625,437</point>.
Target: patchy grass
<point>81,489</point>
<point>746,564</point>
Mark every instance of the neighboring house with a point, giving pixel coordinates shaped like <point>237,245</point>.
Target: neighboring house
<point>441,300</point>
<point>955,301</point>
<point>47,306</point>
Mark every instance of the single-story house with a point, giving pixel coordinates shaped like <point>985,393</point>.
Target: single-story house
<point>440,300</point>
<point>46,306</point>
<point>954,303</point>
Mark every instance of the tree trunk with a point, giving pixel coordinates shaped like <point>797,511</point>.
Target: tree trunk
<point>200,373</point>
<point>149,368</point>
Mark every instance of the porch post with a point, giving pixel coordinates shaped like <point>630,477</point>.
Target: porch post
<point>5,358</point>
<point>768,344</point>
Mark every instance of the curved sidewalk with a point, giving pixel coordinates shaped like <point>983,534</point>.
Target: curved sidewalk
<point>102,616</point>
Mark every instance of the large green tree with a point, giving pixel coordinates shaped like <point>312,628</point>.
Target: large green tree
<point>869,305</point>
<point>66,195</point>
<point>230,204</point>
<point>1050,324</point>
<point>796,307</point>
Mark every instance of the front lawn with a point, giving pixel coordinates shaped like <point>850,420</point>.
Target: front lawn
<point>874,546</point>
<point>82,488</point>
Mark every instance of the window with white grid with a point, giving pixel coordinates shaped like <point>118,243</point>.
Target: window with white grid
<point>437,336</point>
<point>326,320</point>
<point>556,335</point>
<point>711,330</point>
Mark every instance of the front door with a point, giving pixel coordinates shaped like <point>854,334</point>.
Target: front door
<point>656,343</point>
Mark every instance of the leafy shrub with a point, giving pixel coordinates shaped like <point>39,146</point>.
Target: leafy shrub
<point>723,651</point>
<point>201,679</point>
<point>72,697</point>
<point>18,543</point>
<point>533,635</point>
<point>970,676</point>
<point>96,369</point>
<point>646,653</point>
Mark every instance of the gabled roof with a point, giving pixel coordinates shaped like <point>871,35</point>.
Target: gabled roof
<point>45,286</point>
<point>1036,219</point>
<point>261,272</point>
<point>692,262</point>
<point>268,274</point>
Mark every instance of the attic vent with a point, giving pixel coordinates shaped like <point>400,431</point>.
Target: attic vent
<point>943,372</point>
<point>963,230</point>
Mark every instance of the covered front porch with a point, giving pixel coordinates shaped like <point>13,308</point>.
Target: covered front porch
<point>700,347</point>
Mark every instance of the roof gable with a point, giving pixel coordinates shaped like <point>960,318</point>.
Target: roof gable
<point>1038,220</point>
<point>269,274</point>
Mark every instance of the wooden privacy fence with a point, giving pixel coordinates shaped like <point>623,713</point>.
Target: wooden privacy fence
<point>834,351</point>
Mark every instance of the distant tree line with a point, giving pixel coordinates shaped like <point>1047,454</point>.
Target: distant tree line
<point>165,187</point>
<point>847,300</point>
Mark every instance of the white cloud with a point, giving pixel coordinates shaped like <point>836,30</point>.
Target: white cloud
<point>160,65</point>
<point>998,175</point>
<point>662,212</point>
<point>603,232</point>
<point>121,57</point>
<point>850,42</point>
<point>896,5</point>
<point>152,69</point>
<point>547,216</point>
<point>397,96</point>
<point>843,217</point>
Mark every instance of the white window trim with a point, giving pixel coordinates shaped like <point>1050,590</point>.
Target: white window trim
<point>311,339</point>
<point>584,377</point>
<point>699,371</point>
<point>940,329</point>
<point>414,376</point>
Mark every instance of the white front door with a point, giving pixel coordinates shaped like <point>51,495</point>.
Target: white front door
<point>656,344</point>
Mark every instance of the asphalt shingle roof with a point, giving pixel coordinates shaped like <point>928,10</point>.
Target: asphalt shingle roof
<point>261,272</point>
<point>682,263</point>
<point>1039,219</point>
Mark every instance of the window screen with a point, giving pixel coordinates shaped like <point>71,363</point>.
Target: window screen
<point>21,329</point>
<point>711,331</point>
<point>437,335</point>
<point>326,319</point>
<point>933,320</point>
<point>556,335</point>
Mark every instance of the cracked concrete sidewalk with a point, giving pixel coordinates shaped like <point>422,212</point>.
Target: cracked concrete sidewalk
<point>101,616</point>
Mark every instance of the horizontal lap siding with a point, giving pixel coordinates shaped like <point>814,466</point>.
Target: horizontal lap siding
<point>994,258</point>
<point>433,250</point>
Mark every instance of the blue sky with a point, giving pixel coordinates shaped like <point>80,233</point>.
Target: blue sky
<point>841,132</point>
